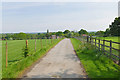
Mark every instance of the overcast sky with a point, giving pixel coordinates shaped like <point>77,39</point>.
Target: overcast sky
<point>55,16</point>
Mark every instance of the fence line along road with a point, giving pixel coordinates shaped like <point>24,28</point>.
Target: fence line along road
<point>13,51</point>
<point>101,46</point>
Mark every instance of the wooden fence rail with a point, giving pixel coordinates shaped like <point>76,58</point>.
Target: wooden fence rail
<point>100,44</point>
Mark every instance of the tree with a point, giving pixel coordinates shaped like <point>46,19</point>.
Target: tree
<point>59,33</point>
<point>8,36</point>
<point>47,31</point>
<point>76,34</point>
<point>107,32</point>
<point>70,35</point>
<point>47,35</point>
<point>99,33</point>
<point>82,31</point>
<point>115,27</point>
<point>38,34</point>
<point>91,33</point>
<point>21,36</point>
<point>66,31</point>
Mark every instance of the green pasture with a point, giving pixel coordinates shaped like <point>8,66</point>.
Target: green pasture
<point>96,64</point>
<point>16,57</point>
<point>114,45</point>
<point>116,39</point>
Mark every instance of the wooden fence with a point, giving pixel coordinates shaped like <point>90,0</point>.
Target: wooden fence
<point>101,46</point>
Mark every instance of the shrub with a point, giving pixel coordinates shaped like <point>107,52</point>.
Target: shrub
<point>25,51</point>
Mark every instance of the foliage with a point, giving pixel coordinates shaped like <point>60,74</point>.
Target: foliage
<point>82,31</point>
<point>47,34</point>
<point>107,32</point>
<point>59,33</point>
<point>91,33</point>
<point>100,33</point>
<point>66,32</point>
<point>25,51</point>
<point>115,27</point>
<point>19,36</point>
<point>96,64</point>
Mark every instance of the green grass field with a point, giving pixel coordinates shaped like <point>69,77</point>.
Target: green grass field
<point>96,64</point>
<point>16,58</point>
<point>116,39</point>
<point>114,45</point>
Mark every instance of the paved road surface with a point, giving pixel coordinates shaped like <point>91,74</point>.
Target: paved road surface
<point>60,62</point>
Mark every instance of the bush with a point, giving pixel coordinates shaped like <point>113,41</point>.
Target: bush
<point>25,51</point>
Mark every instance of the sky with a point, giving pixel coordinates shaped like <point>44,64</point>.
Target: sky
<point>57,16</point>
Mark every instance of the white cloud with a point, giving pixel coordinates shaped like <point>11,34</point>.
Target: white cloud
<point>60,0</point>
<point>18,6</point>
<point>91,18</point>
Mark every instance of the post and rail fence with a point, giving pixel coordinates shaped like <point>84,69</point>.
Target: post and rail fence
<point>100,45</point>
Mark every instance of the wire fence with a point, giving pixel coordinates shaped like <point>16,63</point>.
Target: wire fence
<point>12,50</point>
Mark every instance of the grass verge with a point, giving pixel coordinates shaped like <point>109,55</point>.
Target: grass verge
<point>96,64</point>
<point>15,69</point>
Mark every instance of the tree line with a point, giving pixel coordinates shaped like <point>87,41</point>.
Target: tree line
<point>113,30</point>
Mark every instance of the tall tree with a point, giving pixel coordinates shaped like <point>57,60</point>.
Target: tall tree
<point>47,35</point>
<point>66,31</point>
<point>115,27</point>
<point>107,32</point>
<point>82,31</point>
<point>99,33</point>
<point>59,33</point>
<point>91,33</point>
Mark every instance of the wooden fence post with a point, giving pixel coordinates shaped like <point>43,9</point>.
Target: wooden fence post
<point>6,53</point>
<point>87,39</point>
<point>46,42</point>
<point>26,43</point>
<point>35,45</point>
<point>99,44</point>
<point>90,39</point>
<point>51,40</point>
<point>110,48</point>
<point>25,53</point>
<point>103,46</point>
<point>119,55</point>
<point>95,41</point>
<point>41,42</point>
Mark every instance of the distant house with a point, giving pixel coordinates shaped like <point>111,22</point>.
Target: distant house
<point>58,37</point>
<point>84,35</point>
<point>53,36</point>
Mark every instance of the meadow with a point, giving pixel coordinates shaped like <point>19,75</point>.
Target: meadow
<point>116,39</point>
<point>16,60</point>
<point>95,63</point>
<point>114,45</point>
